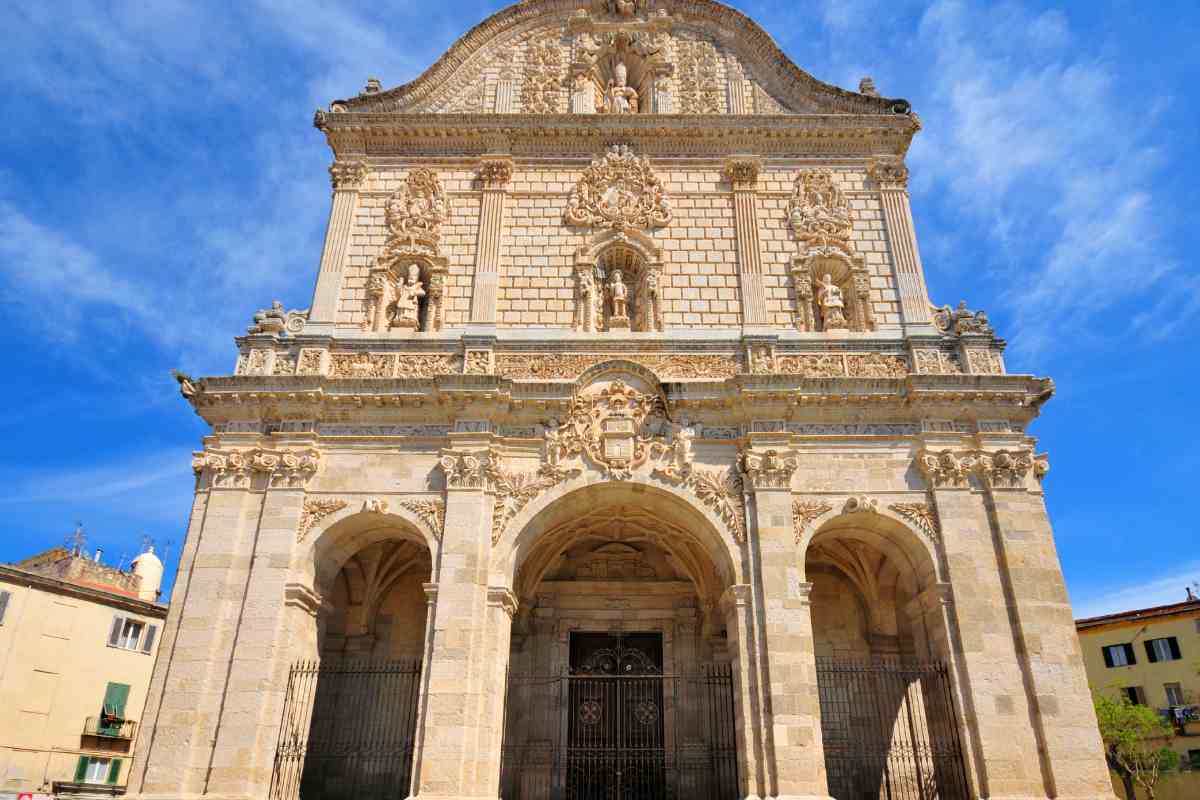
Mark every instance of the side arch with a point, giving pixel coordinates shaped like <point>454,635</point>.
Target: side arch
<point>885,529</point>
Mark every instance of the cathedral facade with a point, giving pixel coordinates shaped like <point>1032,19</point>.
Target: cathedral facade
<point>621,454</point>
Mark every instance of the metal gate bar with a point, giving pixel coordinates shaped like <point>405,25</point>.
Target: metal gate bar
<point>620,737</point>
<point>347,731</point>
<point>890,731</point>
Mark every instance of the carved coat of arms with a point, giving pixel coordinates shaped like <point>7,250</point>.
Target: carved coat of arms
<point>418,208</point>
<point>620,192</point>
<point>820,214</point>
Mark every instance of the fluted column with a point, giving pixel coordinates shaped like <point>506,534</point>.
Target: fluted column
<point>347,177</point>
<point>742,174</point>
<point>494,173</point>
<point>892,177</point>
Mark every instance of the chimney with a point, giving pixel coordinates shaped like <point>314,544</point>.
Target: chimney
<point>99,552</point>
<point>1190,595</point>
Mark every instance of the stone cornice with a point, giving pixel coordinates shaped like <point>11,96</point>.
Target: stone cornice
<point>354,135</point>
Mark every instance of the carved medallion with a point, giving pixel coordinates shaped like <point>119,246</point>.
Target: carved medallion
<point>619,191</point>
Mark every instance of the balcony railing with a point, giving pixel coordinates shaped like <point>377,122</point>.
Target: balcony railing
<point>107,728</point>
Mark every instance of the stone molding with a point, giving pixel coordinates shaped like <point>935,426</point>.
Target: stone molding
<point>501,597</point>
<point>289,469</point>
<point>996,469</point>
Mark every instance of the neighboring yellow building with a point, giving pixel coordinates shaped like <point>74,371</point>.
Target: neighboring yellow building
<point>1152,655</point>
<point>77,647</point>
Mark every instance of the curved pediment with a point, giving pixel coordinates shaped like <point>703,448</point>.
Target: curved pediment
<point>617,57</point>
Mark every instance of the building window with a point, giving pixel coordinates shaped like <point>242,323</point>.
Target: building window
<point>1174,694</point>
<point>3,605</point>
<point>1166,649</point>
<point>131,634</point>
<point>1135,695</point>
<point>1119,655</point>
<point>97,770</point>
<point>1194,759</point>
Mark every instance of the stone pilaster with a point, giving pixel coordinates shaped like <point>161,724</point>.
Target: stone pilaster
<point>502,605</point>
<point>742,174</point>
<point>347,178</point>
<point>999,717</point>
<point>737,606</point>
<point>891,175</point>
<point>494,173</point>
<point>795,756</point>
<point>456,678</point>
<point>1043,626</point>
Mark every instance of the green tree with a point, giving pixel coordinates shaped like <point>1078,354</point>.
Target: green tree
<point>1135,743</point>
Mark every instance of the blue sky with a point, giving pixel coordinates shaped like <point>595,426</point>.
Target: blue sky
<point>160,181</point>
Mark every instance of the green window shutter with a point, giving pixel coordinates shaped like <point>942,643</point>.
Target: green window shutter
<point>81,769</point>
<point>115,697</point>
<point>114,770</point>
<point>3,605</point>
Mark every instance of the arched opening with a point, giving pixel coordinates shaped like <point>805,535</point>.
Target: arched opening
<point>887,712</point>
<point>620,681</point>
<point>350,713</point>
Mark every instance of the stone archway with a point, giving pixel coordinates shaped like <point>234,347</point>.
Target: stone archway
<point>620,675</point>
<point>888,718</point>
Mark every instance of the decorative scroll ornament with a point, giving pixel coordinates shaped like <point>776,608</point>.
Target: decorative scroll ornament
<point>418,207</point>
<point>515,490</point>
<point>957,321</point>
<point>542,89</point>
<point>347,174</point>
<point>998,469</point>
<point>464,470</point>
<point>316,509</point>
<point>923,516</point>
<point>820,214</point>
<point>861,504</point>
<point>803,514</point>
<point>276,320</point>
<point>283,468</point>
<point>769,470</point>
<point>431,511</point>
<point>619,191</point>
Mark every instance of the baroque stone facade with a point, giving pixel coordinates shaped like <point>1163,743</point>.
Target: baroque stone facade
<point>621,328</point>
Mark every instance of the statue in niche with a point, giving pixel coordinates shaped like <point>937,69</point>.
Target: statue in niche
<point>587,303</point>
<point>652,301</point>
<point>833,304</point>
<point>620,295</point>
<point>408,300</point>
<point>553,442</point>
<point>620,98</point>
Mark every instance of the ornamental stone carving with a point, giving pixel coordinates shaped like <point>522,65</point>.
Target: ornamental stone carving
<point>348,174</point>
<point>234,468</point>
<point>568,366</point>
<point>722,492</point>
<point>613,427</point>
<point>542,88</point>
<point>514,490</point>
<point>770,469</point>
<point>495,171</point>
<point>431,511</point>
<point>464,470</point>
<point>820,214</point>
<point>316,509</point>
<point>418,208</point>
<point>923,516</point>
<point>961,320</point>
<point>860,504</point>
<point>889,173</point>
<point>803,514</point>
<point>619,191</point>
<point>698,80</point>
<point>996,469</point>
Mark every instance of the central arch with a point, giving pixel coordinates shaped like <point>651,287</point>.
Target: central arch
<point>620,681</point>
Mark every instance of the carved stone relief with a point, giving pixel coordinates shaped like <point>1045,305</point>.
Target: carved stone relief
<point>316,509</point>
<point>770,469</point>
<point>698,78</point>
<point>803,514</point>
<point>923,516</point>
<point>542,87</point>
<point>619,191</point>
<point>568,366</point>
<point>999,469</point>
<point>282,468</point>
<point>432,512</point>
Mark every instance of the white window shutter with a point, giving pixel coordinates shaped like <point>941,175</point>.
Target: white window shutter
<point>148,642</point>
<point>3,605</point>
<point>114,635</point>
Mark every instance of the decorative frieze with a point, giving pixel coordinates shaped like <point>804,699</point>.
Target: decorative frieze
<point>392,365</point>
<point>803,514</point>
<point>542,87</point>
<point>983,362</point>
<point>568,366</point>
<point>310,362</point>
<point>316,509</point>
<point>923,516</point>
<point>770,469</point>
<point>842,365</point>
<point>363,365</point>
<point>619,192</point>
<point>234,468</point>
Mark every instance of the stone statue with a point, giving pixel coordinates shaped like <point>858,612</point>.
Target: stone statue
<point>620,98</point>
<point>553,442</point>
<point>833,305</point>
<point>408,299</point>
<point>683,444</point>
<point>620,294</point>
<point>653,301</point>
<point>586,303</point>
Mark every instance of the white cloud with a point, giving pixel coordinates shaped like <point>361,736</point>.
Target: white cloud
<point>131,477</point>
<point>1164,589</point>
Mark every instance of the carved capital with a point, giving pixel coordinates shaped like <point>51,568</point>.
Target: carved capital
<point>288,469</point>
<point>742,171</point>
<point>1005,469</point>
<point>464,470</point>
<point>946,468</point>
<point>889,173</point>
<point>770,469</point>
<point>495,171</point>
<point>348,175</point>
<point>996,469</point>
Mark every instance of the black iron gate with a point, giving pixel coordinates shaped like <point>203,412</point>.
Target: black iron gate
<point>890,731</point>
<point>347,731</point>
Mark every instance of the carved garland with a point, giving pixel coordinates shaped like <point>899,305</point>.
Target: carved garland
<point>431,511</point>
<point>542,89</point>
<point>803,514</point>
<point>316,509</point>
<point>923,516</point>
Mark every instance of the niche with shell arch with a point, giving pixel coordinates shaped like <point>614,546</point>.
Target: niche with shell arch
<point>385,286</point>
<point>849,274</point>
<point>640,270</point>
<point>612,61</point>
